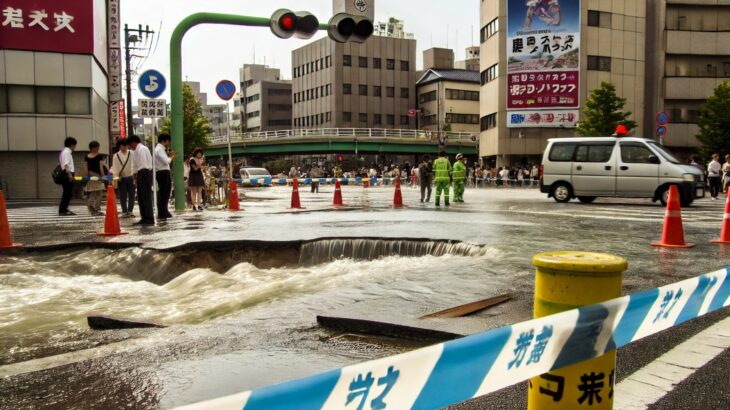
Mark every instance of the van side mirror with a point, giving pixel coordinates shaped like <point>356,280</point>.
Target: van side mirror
<point>653,159</point>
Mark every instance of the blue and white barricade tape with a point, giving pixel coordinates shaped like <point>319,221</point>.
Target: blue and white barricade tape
<point>307,181</point>
<point>459,370</point>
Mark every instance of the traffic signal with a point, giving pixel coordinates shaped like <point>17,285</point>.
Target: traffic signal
<point>301,24</point>
<point>345,27</point>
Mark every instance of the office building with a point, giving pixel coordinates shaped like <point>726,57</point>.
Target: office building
<point>471,62</point>
<point>539,62</point>
<point>392,28</point>
<point>266,99</point>
<point>54,83</point>
<point>216,114</point>
<point>350,85</point>
<point>449,100</point>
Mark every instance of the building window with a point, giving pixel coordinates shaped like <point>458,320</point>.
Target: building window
<point>279,107</point>
<point>347,116</point>
<point>404,92</point>
<point>49,100</point>
<point>377,91</point>
<point>599,19</point>
<point>363,117</point>
<point>377,119</point>
<point>404,66</point>
<point>429,120</point>
<point>489,121</point>
<point>328,116</point>
<point>489,30</point>
<point>426,97</point>
<point>462,118</point>
<point>452,94</point>
<point>377,63</point>
<point>253,114</point>
<point>21,99</point>
<point>279,92</point>
<point>391,92</point>
<point>280,123</point>
<point>404,120</point>
<point>321,118</point>
<point>321,63</point>
<point>346,88</point>
<point>391,119</point>
<point>27,99</point>
<point>328,61</point>
<point>363,62</point>
<point>329,89</point>
<point>599,63</point>
<point>390,64</point>
<point>363,89</point>
<point>489,74</point>
<point>347,60</point>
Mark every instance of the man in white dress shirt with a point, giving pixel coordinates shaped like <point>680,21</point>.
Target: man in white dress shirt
<point>66,161</point>
<point>164,177</point>
<point>142,168</point>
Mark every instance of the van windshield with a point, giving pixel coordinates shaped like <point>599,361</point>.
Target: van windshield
<point>664,152</point>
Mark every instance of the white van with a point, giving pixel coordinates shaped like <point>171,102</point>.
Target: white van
<point>589,167</point>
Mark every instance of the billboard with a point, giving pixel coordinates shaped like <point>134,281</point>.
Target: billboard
<point>543,61</point>
<point>47,25</point>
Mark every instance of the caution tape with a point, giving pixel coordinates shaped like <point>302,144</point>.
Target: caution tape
<point>459,370</point>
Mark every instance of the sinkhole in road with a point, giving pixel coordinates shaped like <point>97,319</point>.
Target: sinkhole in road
<point>48,295</point>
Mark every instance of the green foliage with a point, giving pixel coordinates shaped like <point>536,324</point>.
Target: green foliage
<point>446,127</point>
<point>714,122</point>
<point>603,112</point>
<point>195,125</point>
<point>278,166</point>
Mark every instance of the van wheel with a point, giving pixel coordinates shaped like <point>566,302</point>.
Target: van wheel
<point>664,197</point>
<point>562,192</point>
<point>587,199</point>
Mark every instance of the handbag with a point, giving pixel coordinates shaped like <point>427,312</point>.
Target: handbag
<point>58,175</point>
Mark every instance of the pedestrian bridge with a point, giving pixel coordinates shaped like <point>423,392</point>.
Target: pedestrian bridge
<point>344,140</point>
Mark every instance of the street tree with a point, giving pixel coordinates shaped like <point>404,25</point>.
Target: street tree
<point>603,112</point>
<point>195,125</point>
<point>714,122</point>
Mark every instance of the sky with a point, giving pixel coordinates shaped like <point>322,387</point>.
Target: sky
<point>215,52</point>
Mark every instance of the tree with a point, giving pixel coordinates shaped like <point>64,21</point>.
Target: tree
<point>603,112</point>
<point>195,125</point>
<point>714,122</point>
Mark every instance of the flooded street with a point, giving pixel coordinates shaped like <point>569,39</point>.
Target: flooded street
<point>240,293</point>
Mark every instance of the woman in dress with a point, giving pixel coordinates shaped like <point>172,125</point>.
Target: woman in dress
<point>95,167</point>
<point>196,182</point>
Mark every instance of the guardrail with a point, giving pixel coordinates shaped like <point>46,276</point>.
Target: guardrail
<point>348,133</point>
<point>459,370</point>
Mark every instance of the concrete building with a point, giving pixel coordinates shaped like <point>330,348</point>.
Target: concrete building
<point>54,83</point>
<point>350,85</point>
<point>449,97</point>
<point>438,58</point>
<point>266,99</point>
<point>392,28</point>
<point>471,62</point>
<point>593,41</point>
<point>690,56</point>
<point>216,114</point>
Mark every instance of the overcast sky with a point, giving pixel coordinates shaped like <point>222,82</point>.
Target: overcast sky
<point>212,52</point>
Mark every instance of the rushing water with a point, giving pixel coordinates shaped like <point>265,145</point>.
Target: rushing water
<point>46,297</point>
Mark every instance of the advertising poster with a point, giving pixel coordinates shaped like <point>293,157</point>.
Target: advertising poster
<point>543,61</point>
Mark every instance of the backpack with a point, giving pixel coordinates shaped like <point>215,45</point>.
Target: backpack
<point>58,175</point>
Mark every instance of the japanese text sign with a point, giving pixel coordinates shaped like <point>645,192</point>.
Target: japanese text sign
<point>149,108</point>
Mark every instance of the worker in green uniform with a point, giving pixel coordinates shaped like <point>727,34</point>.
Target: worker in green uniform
<point>442,177</point>
<point>459,177</point>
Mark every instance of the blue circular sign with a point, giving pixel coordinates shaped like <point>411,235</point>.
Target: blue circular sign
<point>662,118</point>
<point>152,83</point>
<point>661,131</point>
<point>225,90</point>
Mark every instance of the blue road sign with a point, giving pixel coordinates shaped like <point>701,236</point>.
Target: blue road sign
<point>662,118</point>
<point>661,131</point>
<point>225,90</point>
<point>152,83</point>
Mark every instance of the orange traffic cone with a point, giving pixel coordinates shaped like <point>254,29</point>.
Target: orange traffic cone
<point>725,233</point>
<point>398,197</point>
<point>295,204</point>
<point>233,203</point>
<point>111,220</point>
<point>338,195</point>
<point>673,233</point>
<point>5,241</point>
<point>365,183</point>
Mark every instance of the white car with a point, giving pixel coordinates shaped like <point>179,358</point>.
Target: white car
<point>262,175</point>
<point>591,167</point>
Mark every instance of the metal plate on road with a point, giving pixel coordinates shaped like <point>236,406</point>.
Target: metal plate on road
<point>152,83</point>
<point>225,90</point>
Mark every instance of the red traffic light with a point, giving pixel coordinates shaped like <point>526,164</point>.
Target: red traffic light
<point>286,23</point>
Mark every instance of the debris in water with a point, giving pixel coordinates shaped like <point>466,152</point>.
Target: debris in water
<point>469,308</point>
<point>99,322</point>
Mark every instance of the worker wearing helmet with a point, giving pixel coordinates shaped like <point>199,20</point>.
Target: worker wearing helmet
<point>459,177</point>
<point>442,177</point>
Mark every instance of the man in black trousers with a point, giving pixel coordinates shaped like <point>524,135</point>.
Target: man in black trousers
<point>143,176</point>
<point>164,177</point>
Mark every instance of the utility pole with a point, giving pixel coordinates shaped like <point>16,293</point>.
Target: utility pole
<point>131,38</point>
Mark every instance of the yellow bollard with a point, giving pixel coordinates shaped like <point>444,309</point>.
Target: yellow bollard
<point>564,281</point>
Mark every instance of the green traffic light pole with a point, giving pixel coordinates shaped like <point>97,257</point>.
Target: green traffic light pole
<point>176,94</point>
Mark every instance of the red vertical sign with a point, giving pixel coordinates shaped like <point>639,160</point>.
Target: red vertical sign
<point>122,121</point>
